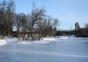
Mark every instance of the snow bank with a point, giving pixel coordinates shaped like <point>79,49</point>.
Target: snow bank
<point>2,42</point>
<point>42,42</point>
<point>23,42</point>
<point>48,39</point>
<point>11,39</point>
<point>64,37</point>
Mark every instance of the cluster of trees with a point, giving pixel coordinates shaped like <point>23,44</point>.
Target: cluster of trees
<point>64,32</point>
<point>36,21</point>
<point>6,17</point>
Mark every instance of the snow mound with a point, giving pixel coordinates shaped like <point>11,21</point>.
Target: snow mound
<point>3,42</point>
<point>42,42</point>
<point>48,39</point>
<point>63,37</point>
<point>11,39</point>
<point>24,42</point>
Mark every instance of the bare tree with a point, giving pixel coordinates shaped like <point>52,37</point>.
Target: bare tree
<point>17,23</point>
<point>48,26</point>
<point>21,24</point>
<point>36,15</point>
<point>9,15</point>
<point>24,24</point>
<point>3,17</point>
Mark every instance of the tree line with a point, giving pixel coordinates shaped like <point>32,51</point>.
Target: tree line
<point>82,32</point>
<point>78,31</point>
<point>36,21</point>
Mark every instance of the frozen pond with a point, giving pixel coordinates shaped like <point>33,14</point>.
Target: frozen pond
<point>61,50</point>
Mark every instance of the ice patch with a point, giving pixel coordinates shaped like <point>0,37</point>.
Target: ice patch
<point>3,42</point>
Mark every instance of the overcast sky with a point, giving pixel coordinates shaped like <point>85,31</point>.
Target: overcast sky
<point>67,11</point>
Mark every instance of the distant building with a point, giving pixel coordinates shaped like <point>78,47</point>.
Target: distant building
<point>77,27</point>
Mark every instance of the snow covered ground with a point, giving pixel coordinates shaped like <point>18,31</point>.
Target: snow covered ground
<point>49,49</point>
<point>45,40</point>
<point>27,42</point>
<point>2,42</point>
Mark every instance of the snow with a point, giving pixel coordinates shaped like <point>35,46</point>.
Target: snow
<point>7,40</point>
<point>65,54</point>
<point>11,39</point>
<point>24,42</point>
<point>48,39</point>
<point>63,37</point>
<point>2,42</point>
<point>42,42</point>
<point>45,40</point>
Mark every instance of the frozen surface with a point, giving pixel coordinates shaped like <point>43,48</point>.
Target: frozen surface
<point>58,50</point>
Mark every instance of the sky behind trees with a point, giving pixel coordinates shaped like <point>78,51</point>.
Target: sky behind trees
<point>67,11</point>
